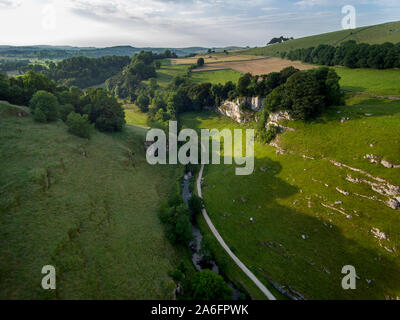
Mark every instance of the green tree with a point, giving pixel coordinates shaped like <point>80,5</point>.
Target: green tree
<point>79,125</point>
<point>65,110</point>
<point>207,285</point>
<point>200,62</point>
<point>47,103</point>
<point>143,103</point>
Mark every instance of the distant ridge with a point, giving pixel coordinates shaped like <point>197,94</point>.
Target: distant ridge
<point>375,34</point>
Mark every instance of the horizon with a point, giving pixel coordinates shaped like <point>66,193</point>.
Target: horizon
<point>178,23</point>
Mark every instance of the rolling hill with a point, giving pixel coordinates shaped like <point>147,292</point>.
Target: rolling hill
<point>376,34</point>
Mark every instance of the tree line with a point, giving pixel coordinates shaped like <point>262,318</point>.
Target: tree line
<point>350,54</point>
<point>141,67</point>
<point>50,102</point>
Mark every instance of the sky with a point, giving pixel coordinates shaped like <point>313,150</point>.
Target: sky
<point>178,23</point>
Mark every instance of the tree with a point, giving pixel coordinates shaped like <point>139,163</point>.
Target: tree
<point>104,111</point>
<point>65,110</point>
<point>79,125</point>
<point>143,103</point>
<point>207,285</point>
<point>200,62</point>
<point>46,103</point>
<point>196,204</point>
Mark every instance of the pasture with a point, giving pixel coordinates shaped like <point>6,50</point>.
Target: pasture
<point>88,207</point>
<point>304,229</point>
<point>214,58</point>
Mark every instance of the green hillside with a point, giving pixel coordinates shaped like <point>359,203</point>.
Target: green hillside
<point>387,32</point>
<point>88,207</point>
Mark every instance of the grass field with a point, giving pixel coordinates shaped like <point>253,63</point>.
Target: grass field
<point>289,196</point>
<point>134,116</point>
<point>168,72</point>
<point>388,32</point>
<point>215,77</point>
<point>88,207</point>
<point>384,82</point>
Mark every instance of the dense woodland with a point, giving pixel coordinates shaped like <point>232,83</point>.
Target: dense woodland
<point>350,54</point>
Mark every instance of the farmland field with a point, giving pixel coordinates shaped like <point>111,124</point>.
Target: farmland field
<point>214,58</point>
<point>215,77</point>
<point>384,82</point>
<point>255,67</point>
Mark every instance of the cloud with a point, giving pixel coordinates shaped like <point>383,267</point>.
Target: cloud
<point>9,3</point>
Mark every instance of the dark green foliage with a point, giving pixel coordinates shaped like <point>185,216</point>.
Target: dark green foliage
<point>79,125</point>
<point>143,103</point>
<point>205,250</point>
<point>302,96</point>
<point>279,40</point>
<point>196,204</point>
<point>351,54</point>
<point>200,62</point>
<point>207,285</point>
<point>175,215</point>
<point>85,72</point>
<point>141,67</point>
<point>104,111</point>
<point>46,103</point>
<point>65,110</point>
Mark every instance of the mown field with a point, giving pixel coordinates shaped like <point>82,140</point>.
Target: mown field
<point>387,32</point>
<point>214,58</point>
<point>291,196</point>
<point>215,77</point>
<point>88,207</point>
<point>255,67</point>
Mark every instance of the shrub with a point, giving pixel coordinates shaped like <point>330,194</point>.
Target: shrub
<point>196,204</point>
<point>39,115</point>
<point>79,125</point>
<point>65,110</point>
<point>207,285</point>
<point>143,103</point>
<point>48,104</point>
<point>200,62</point>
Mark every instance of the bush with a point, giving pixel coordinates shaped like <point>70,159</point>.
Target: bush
<point>65,110</point>
<point>48,105</point>
<point>39,115</point>
<point>143,103</point>
<point>196,204</point>
<point>207,285</point>
<point>200,62</point>
<point>79,125</point>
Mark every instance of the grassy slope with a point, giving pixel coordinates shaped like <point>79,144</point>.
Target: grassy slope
<point>384,82</point>
<point>96,222</point>
<point>388,32</point>
<point>285,202</point>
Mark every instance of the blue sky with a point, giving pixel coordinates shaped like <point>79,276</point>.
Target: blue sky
<point>178,23</point>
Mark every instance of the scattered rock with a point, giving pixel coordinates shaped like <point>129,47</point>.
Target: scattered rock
<point>303,236</point>
<point>369,114</point>
<point>379,234</point>
<point>342,191</point>
<point>344,119</point>
<point>243,200</point>
<point>368,281</point>
<point>338,203</point>
<point>393,204</point>
<point>251,220</point>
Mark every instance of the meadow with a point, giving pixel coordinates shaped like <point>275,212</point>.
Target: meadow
<point>215,77</point>
<point>383,82</point>
<point>304,229</point>
<point>88,207</point>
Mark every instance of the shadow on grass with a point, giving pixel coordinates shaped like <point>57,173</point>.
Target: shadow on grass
<point>273,246</point>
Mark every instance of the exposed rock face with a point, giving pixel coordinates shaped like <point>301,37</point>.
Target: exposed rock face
<point>276,117</point>
<point>232,108</point>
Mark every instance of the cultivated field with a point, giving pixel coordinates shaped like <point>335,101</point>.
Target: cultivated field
<point>214,58</point>
<point>256,67</point>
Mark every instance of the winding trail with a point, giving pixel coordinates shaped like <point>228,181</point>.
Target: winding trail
<point>240,264</point>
